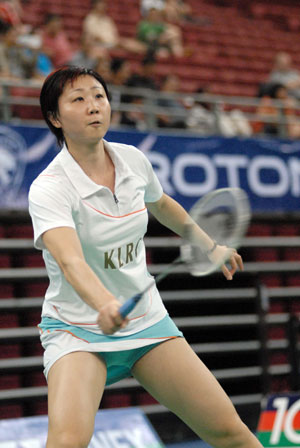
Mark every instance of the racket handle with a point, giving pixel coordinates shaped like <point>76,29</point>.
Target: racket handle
<point>130,304</point>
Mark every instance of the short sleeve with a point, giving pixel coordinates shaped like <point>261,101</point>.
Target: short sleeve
<point>49,207</point>
<point>154,190</point>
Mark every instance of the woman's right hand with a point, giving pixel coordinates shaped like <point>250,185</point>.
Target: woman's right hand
<point>109,318</point>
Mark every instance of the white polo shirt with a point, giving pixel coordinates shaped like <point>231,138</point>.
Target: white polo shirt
<point>110,228</point>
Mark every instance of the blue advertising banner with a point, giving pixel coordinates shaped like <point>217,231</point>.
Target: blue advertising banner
<point>188,167</point>
<point>114,428</point>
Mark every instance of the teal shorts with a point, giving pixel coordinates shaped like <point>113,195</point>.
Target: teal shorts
<point>59,339</point>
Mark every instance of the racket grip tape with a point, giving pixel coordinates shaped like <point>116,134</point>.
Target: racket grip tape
<point>130,304</point>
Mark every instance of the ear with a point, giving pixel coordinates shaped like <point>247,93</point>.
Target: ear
<point>54,120</point>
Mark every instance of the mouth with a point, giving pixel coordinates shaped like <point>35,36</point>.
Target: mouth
<point>95,123</point>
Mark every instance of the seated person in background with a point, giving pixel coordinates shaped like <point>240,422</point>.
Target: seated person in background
<point>4,61</point>
<point>284,73</point>
<point>200,116</point>
<point>177,11</point>
<point>159,37</point>
<point>21,55</point>
<point>120,71</point>
<point>135,118</point>
<point>55,41</point>
<point>276,113</point>
<point>103,68</point>
<point>88,54</point>
<point>207,119</point>
<point>101,29</point>
<point>171,84</point>
<point>146,5</point>
<point>145,77</point>
<point>11,12</point>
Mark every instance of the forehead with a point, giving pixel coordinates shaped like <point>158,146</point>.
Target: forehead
<point>82,83</point>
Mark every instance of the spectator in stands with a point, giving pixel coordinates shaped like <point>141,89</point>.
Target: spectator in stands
<point>103,68</point>
<point>101,29</point>
<point>209,117</point>
<point>55,41</point>
<point>158,36</point>
<point>4,61</point>
<point>22,56</point>
<point>134,118</point>
<point>200,116</point>
<point>177,11</point>
<point>146,5</point>
<point>276,113</point>
<point>177,118</point>
<point>120,72</point>
<point>11,12</point>
<point>284,73</point>
<point>145,78</point>
<point>122,76</point>
<point>88,55</point>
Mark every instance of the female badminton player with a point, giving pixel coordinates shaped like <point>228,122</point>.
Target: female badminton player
<point>89,212</point>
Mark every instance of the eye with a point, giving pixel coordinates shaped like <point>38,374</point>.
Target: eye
<point>99,95</point>
<point>78,98</point>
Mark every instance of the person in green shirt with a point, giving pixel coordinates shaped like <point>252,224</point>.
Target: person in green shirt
<point>160,37</point>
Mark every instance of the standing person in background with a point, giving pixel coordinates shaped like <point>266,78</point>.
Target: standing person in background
<point>55,41</point>
<point>89,212</point>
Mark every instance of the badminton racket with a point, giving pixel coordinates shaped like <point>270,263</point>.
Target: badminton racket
<point>224,216</point>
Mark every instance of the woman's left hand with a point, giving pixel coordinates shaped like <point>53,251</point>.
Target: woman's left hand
<point>229,260</point>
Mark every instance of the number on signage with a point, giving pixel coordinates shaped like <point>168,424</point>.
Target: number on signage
<point>284,419</point>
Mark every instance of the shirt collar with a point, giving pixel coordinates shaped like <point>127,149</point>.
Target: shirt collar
<point>81,181</point>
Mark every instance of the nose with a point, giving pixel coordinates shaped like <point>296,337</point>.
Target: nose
<point>93,107</point>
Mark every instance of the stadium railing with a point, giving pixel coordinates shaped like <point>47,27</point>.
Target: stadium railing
<point>149,106</point>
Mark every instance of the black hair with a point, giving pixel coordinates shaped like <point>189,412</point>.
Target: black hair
<point>4,27</point>
<point>53,88</point>
<point>50,16</point>
<point>116,64</point>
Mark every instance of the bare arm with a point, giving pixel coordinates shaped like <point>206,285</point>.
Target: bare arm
<point>170,213</point>
<point>64,245</point>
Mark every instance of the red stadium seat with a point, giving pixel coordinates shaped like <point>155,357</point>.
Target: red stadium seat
<point>271,280</point>
<point>10,351</point>
<point>6,291</point>
<point>9,320</point>
<point>10,381</point>
<point>260,229</point>
<point>8,410</point>
<point>31,260</point>
<point>117,400</point>
<point>265,254</point>
<point>5,261</point>
<point>19,231</point>
<point>37,289</point>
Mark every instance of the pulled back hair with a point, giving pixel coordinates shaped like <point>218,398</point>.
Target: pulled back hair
<point>53,88</point>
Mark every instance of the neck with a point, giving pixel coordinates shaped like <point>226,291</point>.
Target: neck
<point>96,163</point>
